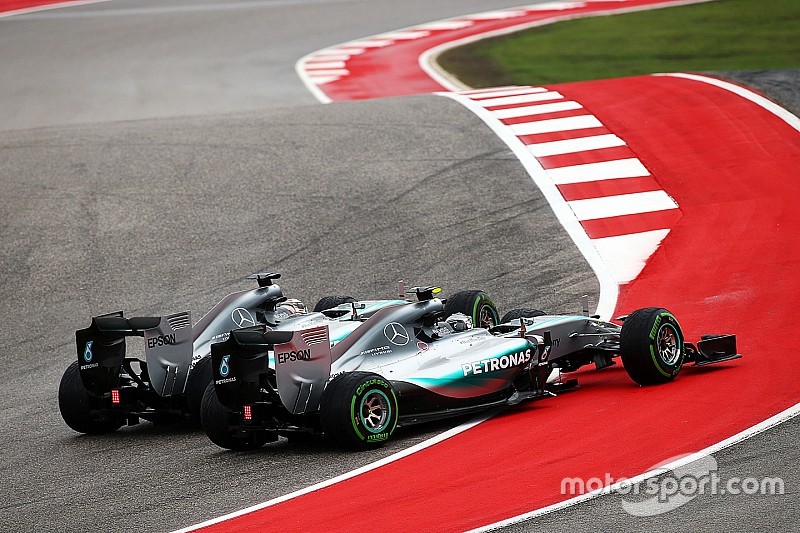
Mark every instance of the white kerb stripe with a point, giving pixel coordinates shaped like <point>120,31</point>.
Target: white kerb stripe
<point>372,43</point>
<point>539,109</point>
<point>497,15</point>
<point>522,99</point>
<point>330,57</point>
<point>337,51</point>
<point>324,64</point>
<point>555,124</point>
<point>547,6</point>
<point>445,25</point>
<point>570,146</point>
<point>404,35</point>
<point>623,204</point>
<point>493,89</point>
<point>352,51</point>
<point>509,92</point>
<point>329,72</point>
<point>605,170</point>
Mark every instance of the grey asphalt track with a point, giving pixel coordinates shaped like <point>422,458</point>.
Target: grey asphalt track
<point>167,214</point>
<point>133,59</point>
<point>163,215</point>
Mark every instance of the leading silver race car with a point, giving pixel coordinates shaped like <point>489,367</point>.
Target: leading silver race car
<point>390,363</point>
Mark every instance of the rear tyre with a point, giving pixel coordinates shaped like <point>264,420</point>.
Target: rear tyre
<point>196,385</point>
<point>329,302</point>
<point>222,426</point>
<point>521,313</point>
<point>74,402</point>
<point>358,410</point>
<point>476,305</point>
<point>651,345</point>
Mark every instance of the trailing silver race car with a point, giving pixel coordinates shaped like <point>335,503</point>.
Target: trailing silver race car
<point>105,388</point>
<point>356,380</point>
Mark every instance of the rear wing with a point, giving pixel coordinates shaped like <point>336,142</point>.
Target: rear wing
<point>101,351</point>
<point>302,367</point>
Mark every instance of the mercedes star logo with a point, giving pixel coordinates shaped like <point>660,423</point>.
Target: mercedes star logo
<point>396,333</point>
<point>242,318</point>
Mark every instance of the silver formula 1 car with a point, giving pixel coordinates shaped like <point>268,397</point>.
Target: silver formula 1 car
<point>106,387</point>
<point>357,371</point>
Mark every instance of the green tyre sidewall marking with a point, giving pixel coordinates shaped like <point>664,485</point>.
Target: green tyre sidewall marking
<point>482,300</point>
<point>671,321</point>
<point>354,418</point>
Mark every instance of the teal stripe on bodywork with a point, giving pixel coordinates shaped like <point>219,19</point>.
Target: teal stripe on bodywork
<point>458,374</point>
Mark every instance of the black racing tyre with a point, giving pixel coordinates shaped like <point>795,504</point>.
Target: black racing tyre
<point>74,401</point>
<point>476,305</point>
<point>221,425</point>
<point>651,345</point>
<point>329,302</point>
<point>196,384</point>
<point>526,312</point>
<point>358,410</point>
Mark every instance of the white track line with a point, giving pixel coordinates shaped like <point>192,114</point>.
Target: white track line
<point>606,170</point>
<point>570,146</point>
<point>521,99</point>
<point>553,125</point>
<point>509,92</point>
<point>540,109</point>
<point>621,205</point>
<point>353,473</point>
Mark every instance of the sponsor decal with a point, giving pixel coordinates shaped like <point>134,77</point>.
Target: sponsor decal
<point>299,355</point>
<point>87,367</point>
<point>87,352</point>
<point>242,318</point>
<point>225,366</point>
<point>223,336</point>
<point>223,381</point>
<point>396,333</point>
<point>441,330</point>
<point>380,350</point>
<point>494,364</point>
<point>377,437</point>
<point>370,382</point>
<point>161,340</point>
<point>282,315</point>
<point>422,346</point>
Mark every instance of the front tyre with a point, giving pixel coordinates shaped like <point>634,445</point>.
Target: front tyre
<point>329,302</point>
<point>74,402</point>
<point>651,346</point>
<point>222,426</point>
<point>358,410</point>
<point>476,305</point>
<point>526,312</point>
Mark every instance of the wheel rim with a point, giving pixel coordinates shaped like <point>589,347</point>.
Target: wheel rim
<point>669,344</point>
<point>375,411</point>
<point>486,317</point>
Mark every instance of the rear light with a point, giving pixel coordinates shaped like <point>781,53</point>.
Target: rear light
<point>248,412</point>
<point>115,396</point>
